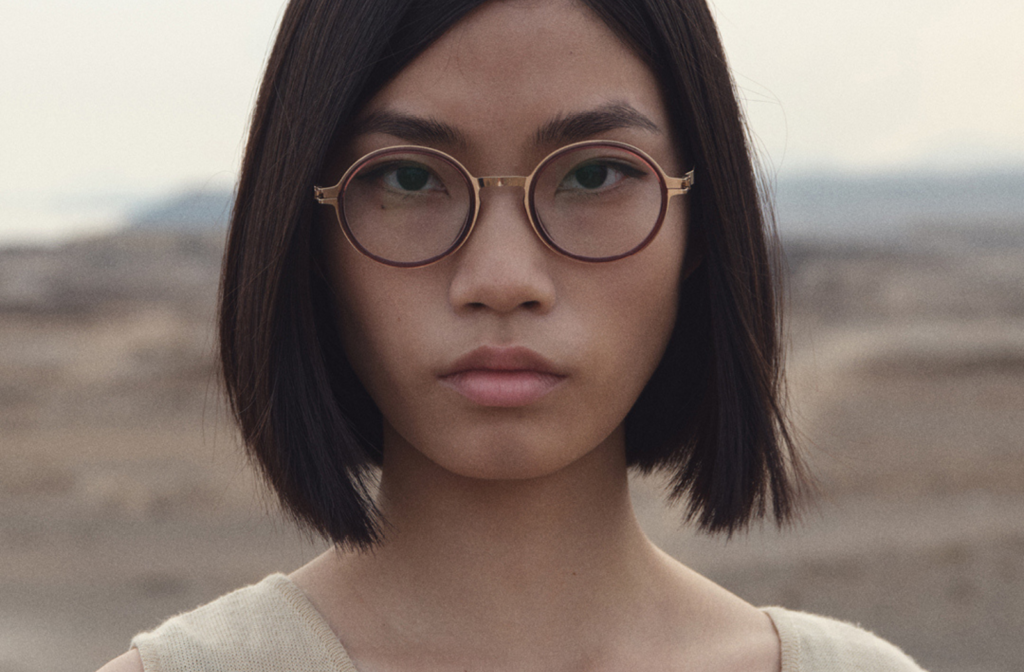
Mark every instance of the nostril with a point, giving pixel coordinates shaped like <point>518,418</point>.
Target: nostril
<point>502,267</point>
<point>482,305</point>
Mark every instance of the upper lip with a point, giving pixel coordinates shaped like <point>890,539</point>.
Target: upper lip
<point>509,358</point>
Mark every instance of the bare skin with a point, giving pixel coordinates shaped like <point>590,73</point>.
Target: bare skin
<point>511,543</point>
<point>550,574</point>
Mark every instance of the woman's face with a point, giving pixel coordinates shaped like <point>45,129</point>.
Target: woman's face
<point>506,360</point>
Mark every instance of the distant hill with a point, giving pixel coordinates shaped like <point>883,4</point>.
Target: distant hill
<point>881,206</point>
<point>830,206</point>
<point>195,210</point>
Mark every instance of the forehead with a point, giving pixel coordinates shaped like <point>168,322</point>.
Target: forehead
<point>508,67</point>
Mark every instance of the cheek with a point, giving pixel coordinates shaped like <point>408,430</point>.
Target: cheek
<point>643,298</point>
<point>626,321</point>
<point>377,329</point>
<point>635,336</point>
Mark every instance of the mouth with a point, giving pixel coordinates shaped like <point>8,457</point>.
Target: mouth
<point>506,377</point>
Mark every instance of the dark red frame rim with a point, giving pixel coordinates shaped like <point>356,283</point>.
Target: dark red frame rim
<point>539,227</point>
<point>459,239</point>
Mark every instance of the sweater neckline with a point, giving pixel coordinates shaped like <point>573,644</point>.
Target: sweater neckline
<point>312,618</point>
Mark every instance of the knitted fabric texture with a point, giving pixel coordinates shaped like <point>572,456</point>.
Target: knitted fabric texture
<point>267,627</point>
<point>272,627</point>
<point>817,644</point>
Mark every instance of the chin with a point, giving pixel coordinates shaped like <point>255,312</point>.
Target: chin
<point>501,452</point>
<point>504,460</point>
<point>517,455</point>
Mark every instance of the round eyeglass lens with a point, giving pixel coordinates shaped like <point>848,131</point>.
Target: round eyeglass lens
<point>406,206</point>
<point>598,201</point>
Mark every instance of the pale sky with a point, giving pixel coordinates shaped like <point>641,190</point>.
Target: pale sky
<point>107,103</point>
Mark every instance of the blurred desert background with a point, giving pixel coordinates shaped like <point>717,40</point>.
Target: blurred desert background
<point>894,132</point>
<point>125,497</point>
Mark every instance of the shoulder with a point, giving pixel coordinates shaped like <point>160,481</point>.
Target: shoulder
<point>266,626</point>
<point>126,662</point>
<point>813,643</point>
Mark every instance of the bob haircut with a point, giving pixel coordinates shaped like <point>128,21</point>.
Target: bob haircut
<point>712,413</point>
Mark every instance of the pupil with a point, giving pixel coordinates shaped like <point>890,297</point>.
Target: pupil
<point>591,177</point>
<point>412,178</point>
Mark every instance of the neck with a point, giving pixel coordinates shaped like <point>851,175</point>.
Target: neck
<point>550,573</point>
<point>518,536</point>
<point>499,566</point>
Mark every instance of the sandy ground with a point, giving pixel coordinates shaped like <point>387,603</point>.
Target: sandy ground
<point>125,498</point>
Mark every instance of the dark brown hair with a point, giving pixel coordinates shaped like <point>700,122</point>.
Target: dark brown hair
<point>711,414</point>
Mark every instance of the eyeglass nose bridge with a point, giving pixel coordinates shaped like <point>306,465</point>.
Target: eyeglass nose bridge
<point>501,181</point>
<point>498,181</point>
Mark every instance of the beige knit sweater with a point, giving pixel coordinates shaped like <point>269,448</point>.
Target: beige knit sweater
<point>272,627</point>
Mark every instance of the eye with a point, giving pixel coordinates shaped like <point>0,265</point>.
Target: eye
<point>403,178</point>
<point>411,178</point>
<point>598,175</point>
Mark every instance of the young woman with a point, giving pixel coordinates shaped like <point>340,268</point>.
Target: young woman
<point>486,257</point>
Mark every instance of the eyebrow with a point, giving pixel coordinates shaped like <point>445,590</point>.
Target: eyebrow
<point>569,128</point>
<point>563,129</point>
<point>417,130</point>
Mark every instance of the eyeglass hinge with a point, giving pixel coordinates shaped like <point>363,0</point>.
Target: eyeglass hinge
<point>325,196</point>
<point>680,185</point>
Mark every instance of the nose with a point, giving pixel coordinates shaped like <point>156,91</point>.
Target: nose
<point>503,266</point>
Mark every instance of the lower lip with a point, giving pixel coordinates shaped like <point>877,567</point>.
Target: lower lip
<point>507,389</point>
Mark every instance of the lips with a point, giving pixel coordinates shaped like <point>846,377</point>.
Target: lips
<point>502,377</point>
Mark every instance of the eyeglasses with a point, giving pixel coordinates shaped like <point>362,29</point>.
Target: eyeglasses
<point>593,201</point>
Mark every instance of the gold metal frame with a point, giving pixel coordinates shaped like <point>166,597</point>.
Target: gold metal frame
<point>670,186</point>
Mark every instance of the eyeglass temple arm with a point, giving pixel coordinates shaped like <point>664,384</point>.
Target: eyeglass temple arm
<point>679,185</point>
<point>327,195</point>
